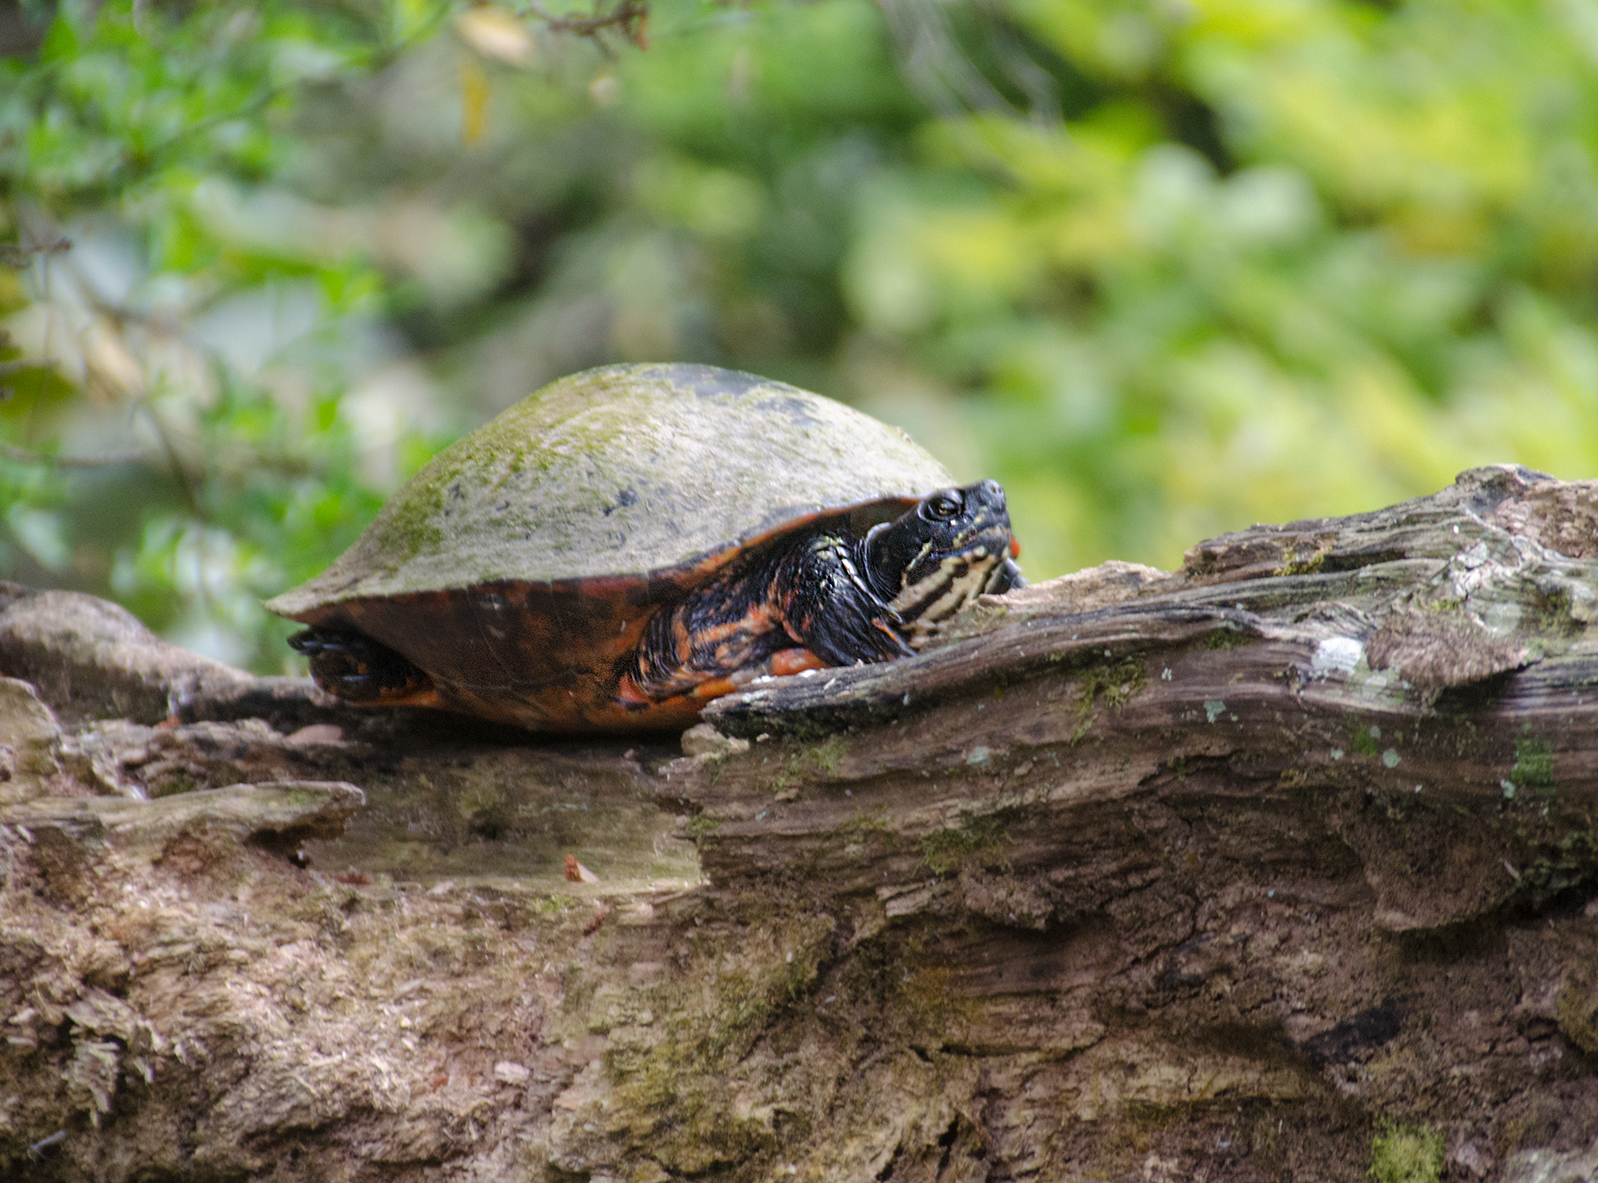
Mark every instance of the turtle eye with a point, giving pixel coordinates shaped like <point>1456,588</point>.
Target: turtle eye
<point>941,507</point>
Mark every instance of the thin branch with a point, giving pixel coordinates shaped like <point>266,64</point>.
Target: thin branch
<point>20,254</point>
<point>630,18</point>
<point>19,455</point>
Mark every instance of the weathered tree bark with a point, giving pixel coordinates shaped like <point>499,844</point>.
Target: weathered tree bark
<point>1275,867</point>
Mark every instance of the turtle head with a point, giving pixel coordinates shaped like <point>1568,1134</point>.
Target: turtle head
<point>938,557</point>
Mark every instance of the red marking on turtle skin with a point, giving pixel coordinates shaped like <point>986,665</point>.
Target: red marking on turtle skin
<point>411,696</point>
<point>1015,548</point>
<point>794,661</point>
<point>883,626</point>
<point>628,693</point>
<point>751,624</point>
<point>714,688</point>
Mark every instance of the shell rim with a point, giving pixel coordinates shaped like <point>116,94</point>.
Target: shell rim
<point>685,575</point>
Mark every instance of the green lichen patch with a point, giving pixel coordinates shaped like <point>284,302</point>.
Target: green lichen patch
<point>1292,564</point>
<point>827,756</point>
<point>703,825</point>
<point>982,843</point>
<point>1534,764</point>
<point>554,904</point>
<point>1226,637</point>
<point>1552,614</point>
<point>799,762</point>
<point>1407,1154</point>
<point>1113,686</point>
<point>1364,740</point>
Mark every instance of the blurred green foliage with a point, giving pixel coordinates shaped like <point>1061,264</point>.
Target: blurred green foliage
<point>1163,268</point>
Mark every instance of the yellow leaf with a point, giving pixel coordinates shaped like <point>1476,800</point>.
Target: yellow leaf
<point>111,361</point>
<point>495,33</point>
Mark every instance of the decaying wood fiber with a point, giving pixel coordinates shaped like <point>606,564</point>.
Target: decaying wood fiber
<point>1281,866</point>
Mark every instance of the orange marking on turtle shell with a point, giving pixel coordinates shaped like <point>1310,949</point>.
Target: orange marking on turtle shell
<point>1015,548</point>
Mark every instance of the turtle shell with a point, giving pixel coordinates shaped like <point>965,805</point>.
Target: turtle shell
<point>521,564</point>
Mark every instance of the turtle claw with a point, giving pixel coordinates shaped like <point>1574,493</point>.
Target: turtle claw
<point>355,667</point>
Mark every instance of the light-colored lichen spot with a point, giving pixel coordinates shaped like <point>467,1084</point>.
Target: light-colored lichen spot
<point>977,756</point>
<point>1336,655</point>
<point>1390,757</point>
<point>1583,600</point>
<point>1213,709</point>
<point>1501,618</point>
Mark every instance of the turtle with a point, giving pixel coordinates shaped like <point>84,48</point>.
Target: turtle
<point>629,542</point>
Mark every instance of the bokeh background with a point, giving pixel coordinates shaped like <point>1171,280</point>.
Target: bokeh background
<point>1165,269</point>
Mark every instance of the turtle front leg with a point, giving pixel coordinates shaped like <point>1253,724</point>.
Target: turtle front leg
<point>826,605</point>
<point>721,636</point>
<point>798,609</point>
<point>772,614</point>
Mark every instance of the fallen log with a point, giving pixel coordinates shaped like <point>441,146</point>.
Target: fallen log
<point>1283,865</point>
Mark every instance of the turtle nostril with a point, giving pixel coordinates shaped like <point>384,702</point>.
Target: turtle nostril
<point>994,490</point>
